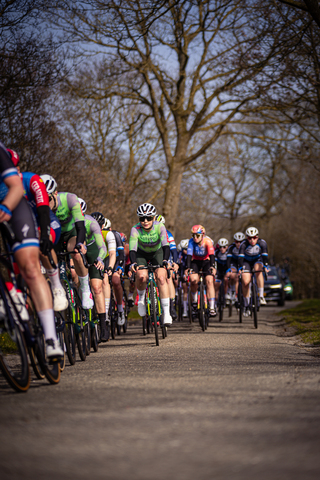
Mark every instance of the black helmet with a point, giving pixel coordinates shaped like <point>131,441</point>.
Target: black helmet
<point>99,218</point>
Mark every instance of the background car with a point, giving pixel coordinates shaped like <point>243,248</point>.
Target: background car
<point>274,288</point>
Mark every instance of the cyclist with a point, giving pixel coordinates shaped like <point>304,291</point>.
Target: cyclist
<point>49,226</point>
<point>253,256</point>
<point>96,253</point>
<point>221,264</point>
<point>109,262</point>
<point>118,270</point>
<point>232,265</point>
<point>182,262</point>
<point>148,242</point>
<point>67,208</point>
<point>14,209</point>
<point>200,256</point>
<point>173,262</point>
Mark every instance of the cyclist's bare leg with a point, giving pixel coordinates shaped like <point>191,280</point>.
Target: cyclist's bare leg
<point>246,278</point>
<point>28,260</point>
<point>78,263</point>
<point>96,285</point>
<point>117,287</point>
<point>210,286</point>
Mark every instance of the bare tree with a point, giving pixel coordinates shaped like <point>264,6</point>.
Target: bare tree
<point>191,67</point>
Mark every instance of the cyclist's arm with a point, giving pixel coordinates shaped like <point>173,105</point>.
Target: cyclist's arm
<point>111,242</point>
<point>120,248</point>
<point>40,195</point>
<point>264,252</point>
<point>78,217</point>
<point>95,229</point>
<point>13,197</point>
<point>241,255</point>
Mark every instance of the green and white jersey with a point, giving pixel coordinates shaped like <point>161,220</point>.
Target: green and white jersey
<point>94,235</point>
<point>148,241</point>
<point>69,211</point>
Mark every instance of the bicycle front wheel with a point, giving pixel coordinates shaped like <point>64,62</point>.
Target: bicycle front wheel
<point>201,311</point>
<point>221,301</point>
<point>153,295</point>
<point>254,305</point>
<point>240,301</point>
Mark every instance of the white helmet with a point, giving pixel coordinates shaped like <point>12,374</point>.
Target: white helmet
<point>184,244</point>
<point>239,236</point>
<point>50,183</point>
<point>161,219</point>
<point>252,232</point>
<point>146,209</point>
<point>107,224</point>
<point>83,205</point>
<point>223,242</point>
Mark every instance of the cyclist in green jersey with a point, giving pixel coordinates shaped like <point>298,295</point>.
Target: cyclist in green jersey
<point>67,208</point>
<point>148,242</point>
<point>96,253</point>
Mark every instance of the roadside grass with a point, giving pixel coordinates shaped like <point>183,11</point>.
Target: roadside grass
<point>6,344</point>
<point>305,319</point>
<point>133,315</point>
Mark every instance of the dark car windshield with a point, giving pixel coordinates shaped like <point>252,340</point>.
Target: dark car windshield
<point>273,274</point>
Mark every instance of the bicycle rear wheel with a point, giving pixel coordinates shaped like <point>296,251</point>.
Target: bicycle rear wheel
<point>221,301</point>
<point>51,370</point>
<point>240,301</point>
<point>180,304</point>
<point>60,324</point>
<point>189,305</point>
<point>13,356</point>
<point>153,297</point>
<point>79,326</point>
<point>254,305</point>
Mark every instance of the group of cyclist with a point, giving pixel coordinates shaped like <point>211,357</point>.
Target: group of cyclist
<point>45,222</point>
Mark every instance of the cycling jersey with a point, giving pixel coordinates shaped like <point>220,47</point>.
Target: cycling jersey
<point>148,241</point>
<point>232,256</point>
<point>173,247</point>
<point>221,258</point>
<point>151,245</point>
<point>36,194</point>
<point>109,240</point>
<point>71,217</point>
<point>200,252</point>
<point>21,222</point>
<point>94,236</point>
<point>119,245</point>
<point>7,169</point>
<point>253,253</point>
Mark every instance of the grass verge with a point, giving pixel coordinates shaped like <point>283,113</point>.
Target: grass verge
<point>7,345</point>
<point>305,319</point>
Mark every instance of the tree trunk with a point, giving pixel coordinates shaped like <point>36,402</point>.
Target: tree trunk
<point>172,193</point>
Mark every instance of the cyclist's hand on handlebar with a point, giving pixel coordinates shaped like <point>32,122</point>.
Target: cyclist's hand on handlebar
<point>99,264</point>
<point>109,271</point>
<point>45,245</point>
<point>165,264</point>
<point>267,268</point>
<point>5,213</point>
<point>175,267</point>
<point>213,271</point>
<point>120,269</point>
<point>133,267</point>
<point>80,247</point>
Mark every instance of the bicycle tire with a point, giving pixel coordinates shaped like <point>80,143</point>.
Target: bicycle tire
<point>87,333</point>
<point>70,316</point>
<point>51,370</point>
<point>189,305</point>
<point>14,365</point>
<point>59,321</point>
<point>180,304</point>
<point>201,310</point>
<point>79,326</point>
<point>240,300</point>
<point>112,317</point>
<point>153,296</point>
<point>144,325</point>
<point>221,301</point>
<point>95,338</point>
<point>230,308</point>
<point>254,305</point>
<point>35,364</point>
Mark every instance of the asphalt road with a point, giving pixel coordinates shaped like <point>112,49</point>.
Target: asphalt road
<point>230,403</point>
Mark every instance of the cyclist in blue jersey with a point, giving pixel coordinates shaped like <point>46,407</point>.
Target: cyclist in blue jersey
<point>49,226</point>
<point>182,262</point>
<point>253,255</point>
<point>232,266</point>
<point>15,210</point>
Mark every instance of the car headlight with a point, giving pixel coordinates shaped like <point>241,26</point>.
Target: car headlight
<point>278,285</point>
<point>288,288</point>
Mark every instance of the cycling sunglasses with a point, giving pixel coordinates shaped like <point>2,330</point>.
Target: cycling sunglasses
<point>143,219</point>
<point>252,238</point>
<point>197,235</point>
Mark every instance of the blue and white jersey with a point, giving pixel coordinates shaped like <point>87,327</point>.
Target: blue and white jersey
<point>7,169</point>
<point>173,247</point>
<point>253,253</point>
